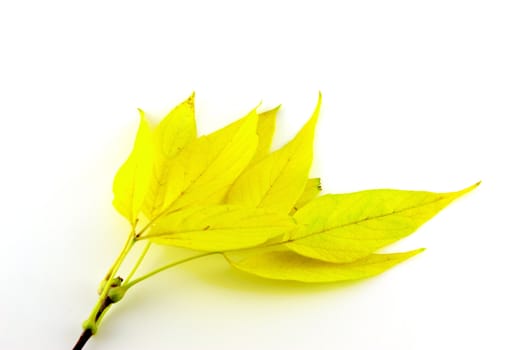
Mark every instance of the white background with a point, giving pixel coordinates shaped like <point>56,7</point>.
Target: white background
<point>417,95</point>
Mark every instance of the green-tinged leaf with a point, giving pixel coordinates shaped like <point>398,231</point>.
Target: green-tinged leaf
<point>311,190</point>
<point>282,264</point>
<point>132,180</point>
<point>227,193</point>
<point>206,168</point>
<point>173,133</point>
<point>277,181</point>
<point>219,227</point>
<point>265,130</point>
<point>347,227</point>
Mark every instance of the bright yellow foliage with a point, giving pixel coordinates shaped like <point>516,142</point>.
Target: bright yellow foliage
<point>311,190</point>
<point>346,227</point>
<point>277,181</point>
<point>174,133</point>
<point>132,180</point>
<point>265,130</point>
<point>227,193</point>
<point>219,227</point>
<point>282,264</point>
<point>206,169</point>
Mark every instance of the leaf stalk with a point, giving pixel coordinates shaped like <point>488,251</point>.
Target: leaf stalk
<point>112,293</point>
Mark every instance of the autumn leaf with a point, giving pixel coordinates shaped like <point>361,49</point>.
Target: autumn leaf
<point>174,133</point>
<point>219,227</point>
<point>265,130</point>
<point>339,234</point>
<point>228,193</point>
<point>133,178</point>
<point>277,181</point>
<point>281,263</point>
<point>346,227</point>
<point>311,190</point>
<point>207,167</point>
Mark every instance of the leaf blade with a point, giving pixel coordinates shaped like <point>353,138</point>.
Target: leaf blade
<point>284,264</point>
<point>173,134</point>
<point>132,180</point>
<point>265,131</point>
<point>311,190</point>
<point>334,233</point>
<point>219,227</point>
<point>277,181</point>
<point>209,165</point>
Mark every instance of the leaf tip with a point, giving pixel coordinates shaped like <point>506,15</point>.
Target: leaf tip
<point>319,100</point>
<point>418,251</point>
<point>191,99</point>
<point>317,110</point>
<point>272,110</point>
<point>470,188</point>
<point>410,254</point>
<point>142,116</point>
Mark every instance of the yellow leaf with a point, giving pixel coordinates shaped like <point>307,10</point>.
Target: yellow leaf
<point>205,169</point>
<point>132,180</point>
<point>265,130</point>
<point>173,133</point>
<point>277,181</point>
<point>311,190</point>
<point>347,227</point>
<point>226,193</point>
<point>283,264</point>
<point>219,227</point>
